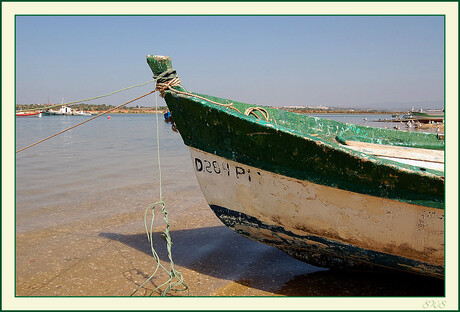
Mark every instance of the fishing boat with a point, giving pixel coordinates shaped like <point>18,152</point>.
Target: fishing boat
<point>329,193</point>
<point>66,111</point>
<point>428,115</point>
<point>29,114</point>
<point>80,113</point>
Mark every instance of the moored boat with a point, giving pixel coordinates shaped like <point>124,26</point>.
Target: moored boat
<point>328,193</point>
<point>428,115</point>
<point>29,114</point>
<point>67,111</point>
<point>80,113</point>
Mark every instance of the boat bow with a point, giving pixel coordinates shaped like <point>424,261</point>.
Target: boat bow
<point>388,206</point>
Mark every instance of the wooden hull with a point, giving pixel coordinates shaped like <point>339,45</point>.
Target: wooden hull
<point>424,119</point>
<point>328,193</point>
<point>321,225</point>
<point>428,116</point>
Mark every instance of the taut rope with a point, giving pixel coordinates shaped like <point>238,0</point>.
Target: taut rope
<point>168,79</point>
<point>99,115</point>
<point>93,98</point>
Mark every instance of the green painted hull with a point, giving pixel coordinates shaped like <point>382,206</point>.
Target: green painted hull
<point>425,117</point>
<point>304,148</point>
<point>308,148</point>
<point>428,114</point>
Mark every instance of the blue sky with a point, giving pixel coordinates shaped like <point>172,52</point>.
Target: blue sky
<point>387,62</point>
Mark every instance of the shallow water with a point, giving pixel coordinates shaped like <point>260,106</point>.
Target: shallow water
<point>95,163</point>
<point>80,202</point>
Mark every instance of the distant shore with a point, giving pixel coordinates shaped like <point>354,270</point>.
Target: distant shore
<point>153,111</point>
<point>341,111</point>
<point>132,111</point>
<point>97,109</point>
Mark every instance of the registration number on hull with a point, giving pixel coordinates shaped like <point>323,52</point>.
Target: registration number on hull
<point>203,165</point>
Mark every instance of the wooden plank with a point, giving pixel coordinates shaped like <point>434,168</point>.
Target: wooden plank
<point>401,152</point>
<point>418,163</point>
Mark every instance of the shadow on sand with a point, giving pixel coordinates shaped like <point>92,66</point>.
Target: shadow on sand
<point>221,253</point>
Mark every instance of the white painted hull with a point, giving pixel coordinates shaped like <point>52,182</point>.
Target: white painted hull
<point>315,222</point>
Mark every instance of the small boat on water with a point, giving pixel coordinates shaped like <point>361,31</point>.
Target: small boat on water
<point>67,111</point>
<point>328,193</point>
<point>29,114</point>
<point>80,113</point>
<point>427,116</point>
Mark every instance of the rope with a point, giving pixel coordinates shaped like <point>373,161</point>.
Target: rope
<point>93,98</point>
<point>173,274</point>
<point>175,277</point>
<point>169,79</point>
<point>252,110</point>
<point>99,115</point>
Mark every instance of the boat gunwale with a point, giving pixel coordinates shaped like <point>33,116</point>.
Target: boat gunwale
<point>432,173</point>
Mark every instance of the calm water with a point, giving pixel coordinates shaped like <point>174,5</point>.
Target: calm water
<point>101,164</point>
<point>96,162</point>
<point>107,170</point>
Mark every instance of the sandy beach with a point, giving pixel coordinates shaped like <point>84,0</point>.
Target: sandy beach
<point>110,256</point>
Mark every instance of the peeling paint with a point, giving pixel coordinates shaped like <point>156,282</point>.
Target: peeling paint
<point>315,158</point>
<point>321,251</point>
<point>293,183</point>
<point>304,209</point>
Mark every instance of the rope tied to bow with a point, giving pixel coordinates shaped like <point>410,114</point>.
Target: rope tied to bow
<point>169,79</point>
<point>175,281</point>
<point>162,86</point>
<point>175,277</point>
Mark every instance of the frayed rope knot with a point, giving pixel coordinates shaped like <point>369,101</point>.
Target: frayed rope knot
<point>162,86</point>
<point>166,80</point>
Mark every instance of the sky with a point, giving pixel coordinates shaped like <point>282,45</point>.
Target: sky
<point>375,62</point>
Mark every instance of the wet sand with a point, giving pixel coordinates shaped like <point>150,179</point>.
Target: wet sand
<point>110,256</point>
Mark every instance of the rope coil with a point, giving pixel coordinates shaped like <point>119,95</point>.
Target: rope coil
<point>175,277</point>
<point>164,82</point>
<point>252,110</point>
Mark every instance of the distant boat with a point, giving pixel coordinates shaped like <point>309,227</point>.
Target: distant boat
<point>28,114</point>
<point>80,113</point>
<point>64,110</point>
<point>428,115</point>
<point>328,193</point>
<point>67,111</point>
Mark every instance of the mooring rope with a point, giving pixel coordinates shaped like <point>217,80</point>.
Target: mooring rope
<point>164,81</point>
<point>90,99</point>
<point>252,110</point>
<point>169,79</point>
<point>99,115</point>
<point>175,277</point>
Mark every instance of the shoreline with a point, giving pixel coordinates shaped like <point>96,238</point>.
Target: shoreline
<point>137,111</point>
<point>94,109</point>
